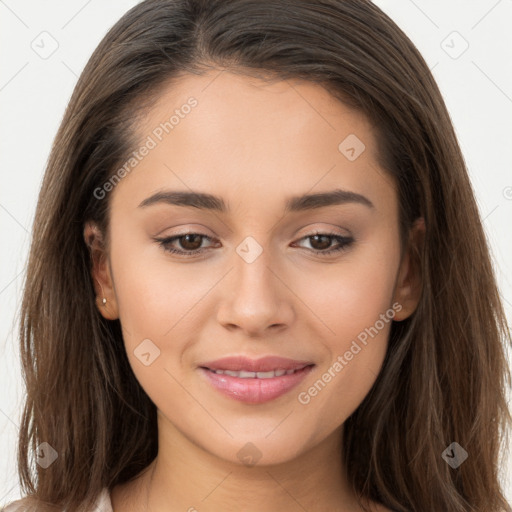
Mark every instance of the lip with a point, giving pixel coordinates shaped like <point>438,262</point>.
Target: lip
<point>264,364</point>
<point>255,390</point>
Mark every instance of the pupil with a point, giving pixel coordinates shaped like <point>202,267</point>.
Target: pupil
<point>323,246</point>
<point>186,237</point>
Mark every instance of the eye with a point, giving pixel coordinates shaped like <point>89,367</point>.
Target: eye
<point>191,243</point>
<point>322,241</point>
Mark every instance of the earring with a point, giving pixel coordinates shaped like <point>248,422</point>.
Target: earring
<point>104,300</point>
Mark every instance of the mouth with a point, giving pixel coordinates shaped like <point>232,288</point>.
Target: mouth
<point>242,363</point>
<point>245,374</point>
<point>255,387</point>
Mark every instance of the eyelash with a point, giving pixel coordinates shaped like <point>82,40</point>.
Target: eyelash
<point>344,243</point>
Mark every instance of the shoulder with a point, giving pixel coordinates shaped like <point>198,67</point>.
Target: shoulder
<point>21,505</point>
<point>29,504</point>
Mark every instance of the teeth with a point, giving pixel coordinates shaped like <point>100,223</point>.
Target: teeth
<point>251,375</point>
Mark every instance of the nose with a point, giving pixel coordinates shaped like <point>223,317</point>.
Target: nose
<point>255,297</point>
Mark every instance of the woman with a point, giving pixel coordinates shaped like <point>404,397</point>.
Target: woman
<point>258,277</point>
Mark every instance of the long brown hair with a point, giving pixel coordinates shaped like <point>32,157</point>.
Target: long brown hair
<point>445,375</point>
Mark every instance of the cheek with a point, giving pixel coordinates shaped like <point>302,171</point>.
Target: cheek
<point>155,305</point>
<point>350,295</point>
<point>356,305</point>
<point>158,303</point>
<point>152,294</point>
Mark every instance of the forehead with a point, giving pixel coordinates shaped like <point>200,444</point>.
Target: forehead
<point>236,134</point>
<point>237,105</point>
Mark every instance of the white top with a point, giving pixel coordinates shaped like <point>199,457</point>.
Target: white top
<point>103,504</point>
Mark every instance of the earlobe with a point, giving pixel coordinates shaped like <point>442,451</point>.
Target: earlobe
<point>409,280</point>
<point>100,272</point>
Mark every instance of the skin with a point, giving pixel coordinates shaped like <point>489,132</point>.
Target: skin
<point>255,145</point>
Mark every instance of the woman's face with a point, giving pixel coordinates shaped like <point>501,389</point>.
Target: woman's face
<point>257,281</point>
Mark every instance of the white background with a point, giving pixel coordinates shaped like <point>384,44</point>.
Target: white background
<point>477,88</point>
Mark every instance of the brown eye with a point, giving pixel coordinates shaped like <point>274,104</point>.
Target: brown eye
<point>321,243</point>
<point>189,244</point>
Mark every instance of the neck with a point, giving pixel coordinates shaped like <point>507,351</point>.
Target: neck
<point>185,477</point>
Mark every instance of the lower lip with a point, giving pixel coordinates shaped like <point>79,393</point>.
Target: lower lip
<point>254,390</point>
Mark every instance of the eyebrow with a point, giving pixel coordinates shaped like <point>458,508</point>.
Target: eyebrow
<point>304,202</point>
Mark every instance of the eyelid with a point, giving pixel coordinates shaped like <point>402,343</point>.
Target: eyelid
<point>331,229</point>
<point>188,230</point>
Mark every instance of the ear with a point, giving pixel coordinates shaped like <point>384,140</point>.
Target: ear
<point>101,272</point>
<point>409,280</point>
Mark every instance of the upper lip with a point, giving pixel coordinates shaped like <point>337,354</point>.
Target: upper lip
<point>264,364</point>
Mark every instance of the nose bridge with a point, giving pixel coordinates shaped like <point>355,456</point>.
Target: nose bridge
<point>256,300</point>
<point>254,280</point>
